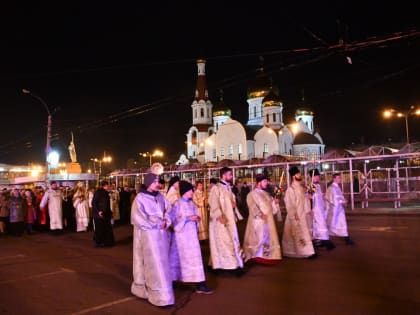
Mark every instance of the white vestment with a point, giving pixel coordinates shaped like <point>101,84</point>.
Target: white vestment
<point>203,225</point>
<point>114,199</point>
<point>297,240</point>
<point>185,253</point>
<point>320,229</point>
<point>81,206</point>
<point>336,219</point>
<point>54,199</point>
<point>261,238</point>
<point>225,248</point>
<point>172,195</point>
<point>151,270</point>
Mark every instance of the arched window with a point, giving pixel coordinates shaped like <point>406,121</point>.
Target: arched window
<point>222,151</point>
<point>194,137</point>
<point>255,112</point>
<point>268,118</point>
<point>274,117</point>
<point>195,113</point>
<point>201,112</point>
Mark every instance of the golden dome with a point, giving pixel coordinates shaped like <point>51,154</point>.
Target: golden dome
<point>304,112</point>
<point>220,109</point>
<point>272,99</point>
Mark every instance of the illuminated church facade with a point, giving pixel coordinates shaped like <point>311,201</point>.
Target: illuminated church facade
<point>215,136</point>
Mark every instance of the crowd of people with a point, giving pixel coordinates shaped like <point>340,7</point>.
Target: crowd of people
<point>59,209</point>
<point>171,222</point>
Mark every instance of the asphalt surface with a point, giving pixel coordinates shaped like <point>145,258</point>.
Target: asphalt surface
<point>65,274</point>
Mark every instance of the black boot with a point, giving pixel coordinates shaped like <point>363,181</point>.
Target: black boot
<point>318,243</point>
<point>348,240</point>
<point>328,244</point>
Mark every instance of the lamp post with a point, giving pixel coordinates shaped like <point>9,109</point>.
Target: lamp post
<point>105,159</point>
<point>156,153</point>
<point>48,143</point>
<point>412,111</point>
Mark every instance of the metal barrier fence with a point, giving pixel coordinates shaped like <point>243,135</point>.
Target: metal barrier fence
<point>385,179</point>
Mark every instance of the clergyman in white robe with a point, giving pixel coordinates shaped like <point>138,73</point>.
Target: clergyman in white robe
<point>151,270</point>
<point>185,252</point>
<point>297,240</point>
<point>337,223</point>
<point>225,248</point>
<point>54,199</point>
<point>261,241</point>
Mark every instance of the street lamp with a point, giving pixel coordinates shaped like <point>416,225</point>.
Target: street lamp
<point>412,111</point>
<point>48,144</point>
<point>156,153</point>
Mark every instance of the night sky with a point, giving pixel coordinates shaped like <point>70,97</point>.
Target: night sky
<point>122,76</point>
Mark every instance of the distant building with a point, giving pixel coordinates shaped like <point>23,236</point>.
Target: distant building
<point>215,136</point>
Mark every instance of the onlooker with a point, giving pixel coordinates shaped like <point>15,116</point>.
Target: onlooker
<point>30,200</point>
<point>125,204</point>
<point>4,212</point>
<point>17,213</point>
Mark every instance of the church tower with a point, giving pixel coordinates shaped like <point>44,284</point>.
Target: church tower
<point>272,110</point>
<point>221,113</point>
<point>201,115</point>
<point>257,90</point>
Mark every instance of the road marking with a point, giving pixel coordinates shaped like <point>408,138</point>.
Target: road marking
<point>381,228</point>
<point>14,256</point>
<point>98,307</point>
<point>62,270</point>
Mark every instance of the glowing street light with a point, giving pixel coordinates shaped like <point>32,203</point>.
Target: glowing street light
<point>156,153</point>
<point>412,111</point>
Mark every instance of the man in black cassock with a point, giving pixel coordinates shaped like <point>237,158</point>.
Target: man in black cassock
<point>102,214</point>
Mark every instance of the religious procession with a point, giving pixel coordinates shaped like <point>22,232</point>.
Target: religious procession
<point>171,224</point>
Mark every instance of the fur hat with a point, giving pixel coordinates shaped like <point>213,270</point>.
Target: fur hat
<point>184,186</point>
<point>314,172</point>
<point>149,179</point>
<point>293,171</point>
<point>260,177</point>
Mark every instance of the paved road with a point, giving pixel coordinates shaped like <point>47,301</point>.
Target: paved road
<point>46,274</point>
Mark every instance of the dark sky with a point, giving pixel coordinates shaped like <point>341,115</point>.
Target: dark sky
<point>122,76</point>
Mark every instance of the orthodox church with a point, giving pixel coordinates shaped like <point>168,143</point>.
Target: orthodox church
<point>215,136</point>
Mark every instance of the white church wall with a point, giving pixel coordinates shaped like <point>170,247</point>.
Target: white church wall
<point>230,139</point>
<point>266,142</point>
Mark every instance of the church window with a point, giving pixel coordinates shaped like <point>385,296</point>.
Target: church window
<point>230,149</point>
<point>274,117</point>
<point>214,153</point>
<point>268,118</point>
<point>194,137</point>
<point>222,151</point>
<point>240,148</point>
<point>265,148</point>
<point>201,112</point>
<point>195,113</point>
<point>208,112</point>
<point>255,112</point>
